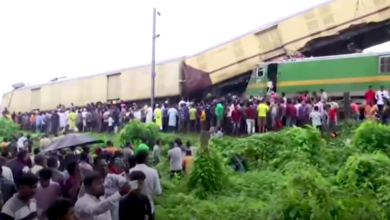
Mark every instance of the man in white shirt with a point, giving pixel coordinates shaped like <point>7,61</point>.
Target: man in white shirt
<point>270,86</point>
<point>20,142</point>
<point>149,114</point>
<point>39,163</point>
<point>63,120</point>
<point>297,106</point>
<point>93,205</point>
<point>152,185</point>
<point>231,109</point>
<point>112,183</point>
<point>324,96</point>
<point>381,97</point>
<point>181,103</point>
<point>175,160</point>
<point>7,173</point>
<point>316,118</point>
<point>320,106</point>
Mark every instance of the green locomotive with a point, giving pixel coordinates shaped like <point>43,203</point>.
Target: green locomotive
<point>352,73</point>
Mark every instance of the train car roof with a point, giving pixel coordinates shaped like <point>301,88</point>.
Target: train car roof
<point>264,26</point>
<point>110,72</point>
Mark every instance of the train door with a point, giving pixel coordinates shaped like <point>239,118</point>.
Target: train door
<point>258,74</point>
<point>272,75</point>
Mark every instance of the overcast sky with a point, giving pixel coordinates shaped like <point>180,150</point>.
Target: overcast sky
<point>41,40</point>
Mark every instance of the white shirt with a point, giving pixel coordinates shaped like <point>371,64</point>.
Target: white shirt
<point>112,184</point>
<point>149,115</point>
<point>110,121</point>
<point>315,118</point>
<point>320,107</point>
<point>380,96</point>
<point>324,97</point>
<point>88,207</point>
<point>7,173</point>
<point>20,143</point>
<point>35,169</point>
<point>156,151</point>
<point>176,159</point>
<point>182,102</point>
<point>137,115</point>
<point>231,109</point>
<point>193,151</point>
<point>63,119</point>
<point>297,106</point>
<point>151,184</point>
<point>84,114</point>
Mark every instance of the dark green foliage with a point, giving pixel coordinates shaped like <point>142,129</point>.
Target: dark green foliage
<point>135,131</point>
<point>208,176</point>
<point>8,128</point>
<point>294,174</point>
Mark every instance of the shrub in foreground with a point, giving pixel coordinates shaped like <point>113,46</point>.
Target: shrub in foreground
<point>294,174</point>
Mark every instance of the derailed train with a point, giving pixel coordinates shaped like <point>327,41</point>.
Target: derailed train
<point>173,78</point>
<point>325,27</point>
<point>126,84</point>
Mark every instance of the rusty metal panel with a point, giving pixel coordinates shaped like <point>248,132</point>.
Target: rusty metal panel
<point>35,98</point>
<point>114,86</point>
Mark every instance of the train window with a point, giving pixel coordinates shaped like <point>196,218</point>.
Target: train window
<point>260,72</point>
<point>384,64</point>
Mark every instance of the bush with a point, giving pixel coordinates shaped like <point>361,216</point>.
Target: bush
<point>294,174</point>
<point>135,131</point>
<point>7,128</point>
<point>371,136</point>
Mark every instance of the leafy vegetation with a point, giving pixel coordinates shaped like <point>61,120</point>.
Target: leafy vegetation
<point>7,128</point>
<point>294,174</point>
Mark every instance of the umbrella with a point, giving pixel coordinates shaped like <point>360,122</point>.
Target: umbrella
<point>71,140</point>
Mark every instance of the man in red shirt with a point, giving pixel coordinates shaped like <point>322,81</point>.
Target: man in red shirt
<point>250,118</point>
<point>236,120</point>
<point>332,120</point>
<point>291,114</point>
<point>370,95</point>
<point>280,112</point>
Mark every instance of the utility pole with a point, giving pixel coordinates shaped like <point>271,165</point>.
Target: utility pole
<point>153,75</point>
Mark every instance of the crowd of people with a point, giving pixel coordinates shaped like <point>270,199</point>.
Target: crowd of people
<point>117,184</point>
<point>231,114</point>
